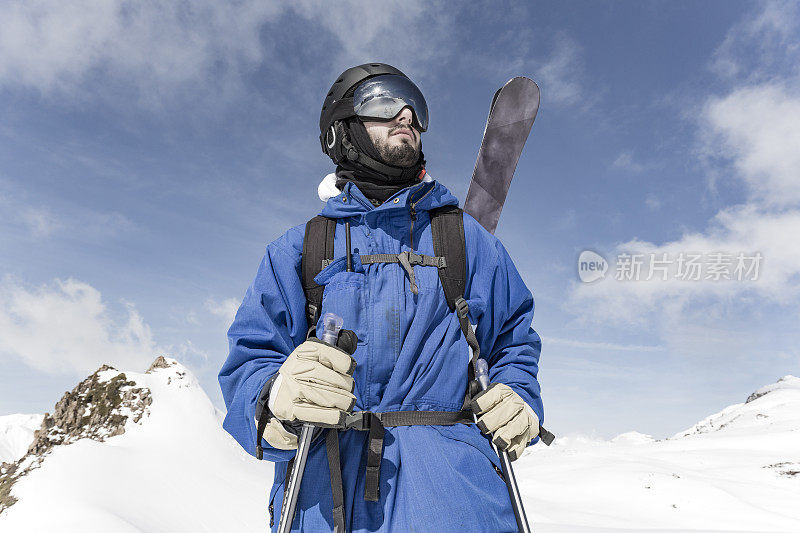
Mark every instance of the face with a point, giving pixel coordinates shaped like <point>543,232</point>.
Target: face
<point>397,141</point>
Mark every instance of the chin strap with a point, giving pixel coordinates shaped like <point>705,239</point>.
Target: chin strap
<point>354,156</point>
<point>348,152</point>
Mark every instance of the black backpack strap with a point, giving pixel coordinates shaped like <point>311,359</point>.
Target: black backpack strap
<point>317,247</point>
<point>447,227</point>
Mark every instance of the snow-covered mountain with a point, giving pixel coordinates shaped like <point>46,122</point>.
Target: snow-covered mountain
<point>125,452</point>
<point>737,470</point>
<point>146,452</point>
<point>16,434</point>
<point>771,409</point>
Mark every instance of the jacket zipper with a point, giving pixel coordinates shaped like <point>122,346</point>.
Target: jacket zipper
<point>413,219</point>
<point>414,215</point>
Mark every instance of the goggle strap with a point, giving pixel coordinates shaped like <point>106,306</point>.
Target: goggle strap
<point>344,109</point>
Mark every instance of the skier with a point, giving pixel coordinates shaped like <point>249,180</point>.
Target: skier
<point>401,451</point>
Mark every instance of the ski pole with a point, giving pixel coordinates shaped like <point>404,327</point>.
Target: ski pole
<point>482,375</point>
<point>332,323</point>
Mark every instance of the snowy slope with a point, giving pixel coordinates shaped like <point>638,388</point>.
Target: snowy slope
<point>16,434</point>
<point>175,470</point>
<point>737,470</point>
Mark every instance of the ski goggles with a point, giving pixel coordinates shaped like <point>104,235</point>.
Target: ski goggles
<point>384,96</point>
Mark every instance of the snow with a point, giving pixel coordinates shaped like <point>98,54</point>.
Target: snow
<point>16,434</point>
<point>732,471</point>
<point>177,470</point>
<point>632,437</point>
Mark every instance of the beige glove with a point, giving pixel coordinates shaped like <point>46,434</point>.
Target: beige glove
<point>278,436</point>
<point>315,384</point>
<point>505,415</point>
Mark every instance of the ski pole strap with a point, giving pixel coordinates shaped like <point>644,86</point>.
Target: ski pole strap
<point>462,312</point>
<point>332,446</point>
<point>289,467</point>
<point>545,436</point>
<point>262,426</point>
<point>375,423</point>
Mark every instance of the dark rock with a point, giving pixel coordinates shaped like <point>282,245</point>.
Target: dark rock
<point>755,396</point>
<point>160,362</point>
<point>97,408</point>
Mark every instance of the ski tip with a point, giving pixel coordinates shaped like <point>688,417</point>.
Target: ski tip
<point>519,82</point>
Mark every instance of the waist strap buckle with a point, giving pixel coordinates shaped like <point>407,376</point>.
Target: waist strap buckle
<point>360,420</point>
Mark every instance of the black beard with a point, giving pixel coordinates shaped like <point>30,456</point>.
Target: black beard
<point>404,155</point>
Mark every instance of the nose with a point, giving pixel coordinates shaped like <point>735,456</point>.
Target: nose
<point>405,116</point>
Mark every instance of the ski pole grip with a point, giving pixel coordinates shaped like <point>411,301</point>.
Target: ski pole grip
<point>482,373</point>
<point>331,324</point>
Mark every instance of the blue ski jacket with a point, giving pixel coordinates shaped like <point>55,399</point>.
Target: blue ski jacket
<point>411,355</point>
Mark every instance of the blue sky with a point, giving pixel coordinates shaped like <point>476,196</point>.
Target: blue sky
<point>148,153</point>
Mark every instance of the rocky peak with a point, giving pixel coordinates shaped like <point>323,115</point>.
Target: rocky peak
<point>97,408</point>
<point>786,382</point>
<point>161,362</point>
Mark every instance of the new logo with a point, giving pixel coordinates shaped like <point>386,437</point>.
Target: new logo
<point>591,266</point>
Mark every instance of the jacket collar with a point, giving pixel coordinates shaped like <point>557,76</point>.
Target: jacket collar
<point>351,201</point>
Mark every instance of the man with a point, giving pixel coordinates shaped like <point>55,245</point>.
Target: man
<point>382,465</point>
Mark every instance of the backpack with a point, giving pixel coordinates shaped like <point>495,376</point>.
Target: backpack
<point>449,244</point>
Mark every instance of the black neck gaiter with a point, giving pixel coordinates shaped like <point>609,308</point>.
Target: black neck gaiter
<point>376,187</point>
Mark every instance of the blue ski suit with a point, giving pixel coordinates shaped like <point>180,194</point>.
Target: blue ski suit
<point>411,355</point>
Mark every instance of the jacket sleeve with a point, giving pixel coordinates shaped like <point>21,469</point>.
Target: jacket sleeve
<point>269,324</point>
<point>507,341</point>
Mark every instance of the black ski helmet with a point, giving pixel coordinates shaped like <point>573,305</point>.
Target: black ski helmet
<point>339,107</point>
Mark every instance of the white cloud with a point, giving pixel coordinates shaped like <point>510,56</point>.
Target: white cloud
<point>192,319</point>
<point>40,222</point>
<point>561,72</point>
<point>757,128</point>
<point>625,161</point>
<point>37,221</point>
<point>187,352</point>
<point>67,328</point>
<point>745,228</point>
<point>45,220</point>
<point>652,202</point>
<point>555,62</point>
<point>589,345</point>
<point>225,309</point>
<point>751,135</point>
<point>765,40</point>
<point>156,53</point>
<point>59,46</point>
<point>423,28</point>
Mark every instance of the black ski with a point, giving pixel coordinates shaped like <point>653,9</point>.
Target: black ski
<point>511,117</point>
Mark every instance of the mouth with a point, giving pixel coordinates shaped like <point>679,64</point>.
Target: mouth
<point>405,132</point>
